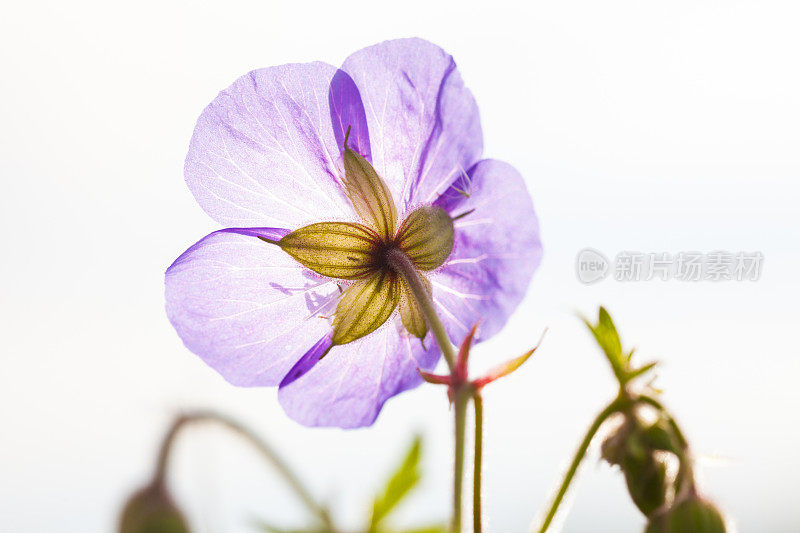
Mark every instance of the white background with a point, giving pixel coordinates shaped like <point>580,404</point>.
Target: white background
<point>652,126</point>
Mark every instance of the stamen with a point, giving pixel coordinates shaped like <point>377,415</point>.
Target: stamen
<point>462,215</point>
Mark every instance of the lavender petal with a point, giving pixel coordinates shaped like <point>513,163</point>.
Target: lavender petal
<point>264,152</point>
<point>348,387</point>
<point>497,249</point>
<point>246,307</point>
<point>423,122</point>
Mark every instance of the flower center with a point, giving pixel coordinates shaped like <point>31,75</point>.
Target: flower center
<point>360,252</point>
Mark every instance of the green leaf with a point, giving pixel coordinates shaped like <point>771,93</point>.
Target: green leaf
<point>404,478</point>
<point>605,333</point>
<point>630,374</point>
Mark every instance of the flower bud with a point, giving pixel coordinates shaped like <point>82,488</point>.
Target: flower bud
<point>613,448</point>
<point>646,478</point>
<point>691,514</point>
<point>151,510</point>
<point>632,449</point>
<point>660,436</point>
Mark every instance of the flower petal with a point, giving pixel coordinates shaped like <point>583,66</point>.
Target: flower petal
<point>497,249</point>
<point>265,151</point>
<point>348,387</point>
<point>246,307</point>
<point>334,249</point>
<point>423,123</point>
<point>365,306</point>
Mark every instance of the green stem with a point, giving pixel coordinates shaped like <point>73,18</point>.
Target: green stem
<point>265,449</point>
<point>461,399</point>
<point>401,264</point>
<point>477,402</point>
<point>612,408</point>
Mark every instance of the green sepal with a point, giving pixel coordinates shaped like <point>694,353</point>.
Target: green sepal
<point>410,311</point>
<point>365,306</point>
<point>368,193</point>
<point>427,237</point>
<point>335,249</point>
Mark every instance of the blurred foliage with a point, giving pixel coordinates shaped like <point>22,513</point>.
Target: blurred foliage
<point>606,335</point>
<point>403,479</point>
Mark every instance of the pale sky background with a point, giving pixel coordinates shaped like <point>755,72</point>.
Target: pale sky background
<point>638,125</point>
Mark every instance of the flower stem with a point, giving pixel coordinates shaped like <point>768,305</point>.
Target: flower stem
<point>401,264</point>
<point>612,408</point>
<point>477,402</point>
<point>462,392</point>
<point>460,408</point>
<point>265,449</point>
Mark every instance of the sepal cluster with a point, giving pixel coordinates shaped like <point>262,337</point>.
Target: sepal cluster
<point>459,380</point>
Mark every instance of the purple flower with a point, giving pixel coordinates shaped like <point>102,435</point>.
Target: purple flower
<point>316,172</point>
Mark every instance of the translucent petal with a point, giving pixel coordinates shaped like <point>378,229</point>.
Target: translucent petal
<point>334,249</point>
<point>348,387</point>
<point>496,252</point>
<point>370,196</point>
<point>364,306</point>
<point>265,151</point>
<point>246,308</point>
<point>426,235</point>
<point>423,122</point>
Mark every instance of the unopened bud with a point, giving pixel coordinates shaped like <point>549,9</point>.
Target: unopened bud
<point>692,514</point>
<point>661,436</point>
<point>151,510</point>
<point>613,449</point>
<point>645,472</point>
<point>646,478</point>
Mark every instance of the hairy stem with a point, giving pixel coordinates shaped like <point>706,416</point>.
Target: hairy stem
<point>476,474</point>
<point>400,263</point>
<point>265,449</point>
<point>612,408</point>
<point>460,409</point>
